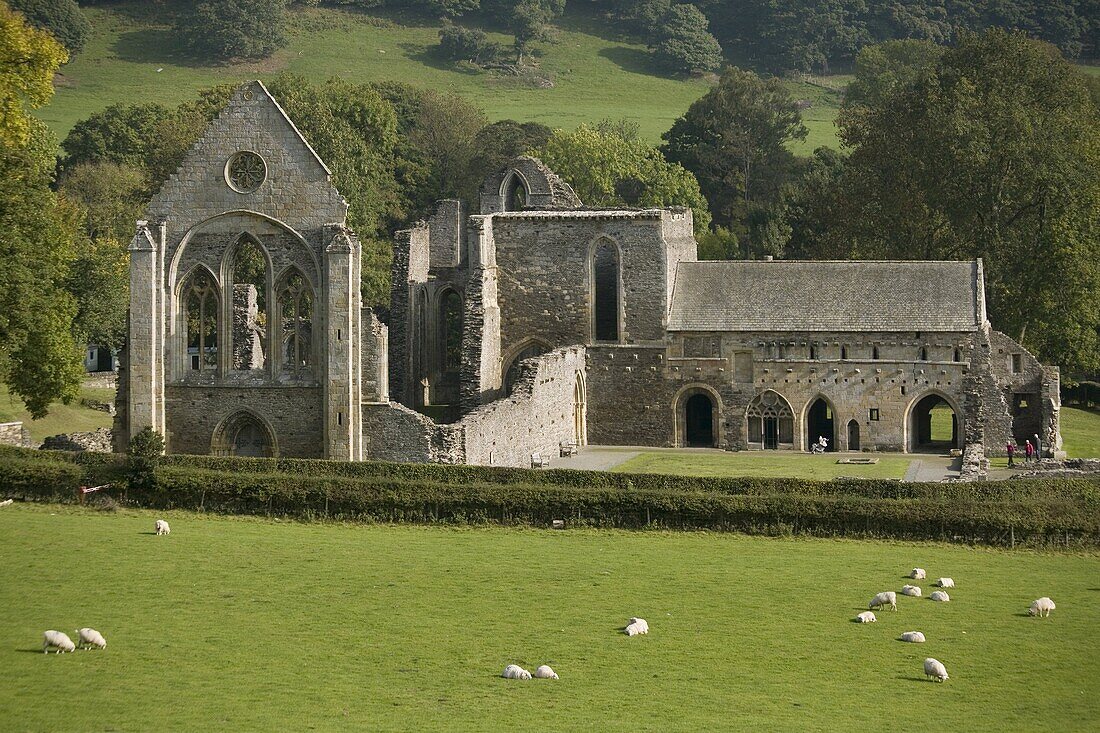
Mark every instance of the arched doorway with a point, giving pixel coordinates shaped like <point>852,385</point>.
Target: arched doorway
<point>933,425</point>
<point>820,423</point>
<point>770,422</point>
<point>244,434</point>
<point>699,421</point>
<point>853,435</point>
<point>580,412</point>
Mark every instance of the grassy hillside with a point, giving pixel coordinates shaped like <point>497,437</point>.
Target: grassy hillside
<point>71,418</point>
<point>1080,432</point>
<point>131,58</point>
<point>231,624</point>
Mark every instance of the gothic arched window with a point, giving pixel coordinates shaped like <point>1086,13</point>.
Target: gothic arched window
<point>200,300</point>
<point>296,314</point>
<point>450,317</point>
<point>605,291</point>
<point>248,278</point>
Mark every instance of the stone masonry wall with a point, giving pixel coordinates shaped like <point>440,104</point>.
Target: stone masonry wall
<point>13,433</point>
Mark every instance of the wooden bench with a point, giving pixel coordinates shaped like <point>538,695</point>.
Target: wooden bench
<point>567,448</point>
<point>539,461</point>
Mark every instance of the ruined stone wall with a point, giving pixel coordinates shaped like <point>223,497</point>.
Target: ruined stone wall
<point>536,418</point>
<point>294,414</point>
<point>13,433</point>
<point>409,273</point>
<point>393,432</point>
<point>374,358</point>
<point>1021,397</point>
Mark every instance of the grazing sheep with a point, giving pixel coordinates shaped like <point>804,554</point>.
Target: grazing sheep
<point>6,502</point>
<point>867,617</point>
<point>1041,607</point>
<point>945,583</point>
<point>939,595</point>
<point>545,673</point>
<point>886,598</point>
<point>636,628</point>
<point>57,640</point>
<point>89,638</point>
<point>917,574</point>
<point>914,636</point>
<point>910,590</point>
<point>934,668</point>
<point>162,527</point>
<point>641,622</point>
<point>515,672</point>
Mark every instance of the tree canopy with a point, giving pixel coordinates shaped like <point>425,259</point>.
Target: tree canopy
<point>233,29</point>
<point>62,19</point>
<point>29,58</point>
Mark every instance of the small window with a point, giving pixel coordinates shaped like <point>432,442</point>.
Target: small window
<point>873,414</point>
<point>903,389</point>
<point>924,353</point>
<point>1017,363</point>
<point>958,355</point>
<point>813,351</point>
<point>843,352</point>
<point>874,353</point>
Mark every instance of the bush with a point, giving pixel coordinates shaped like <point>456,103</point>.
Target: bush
<point>467,44</point>
<point>60,18</point>
<point>684,45</point>
<point>146,449</point>
<point>234,29</point>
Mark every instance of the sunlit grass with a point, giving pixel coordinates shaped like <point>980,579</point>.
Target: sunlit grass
<point>763,464</point>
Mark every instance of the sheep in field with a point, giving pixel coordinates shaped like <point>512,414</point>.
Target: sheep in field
<point>162,527</point>
<point>915,637</point>
<point>867,617</point>
<point>637,627</point>
<point>945,583</point>
<point>545,673</point>
<point>90,637</point>
<point>641,622</point>
<point>515,672</point>
<point>6,502</point>
<point>1041,607</point>
<point>886,598</point>
<point>939,596</point>
<point>934,668</point>
<point>910,590</point>
<point>917,574</point>
<point>57,640</point>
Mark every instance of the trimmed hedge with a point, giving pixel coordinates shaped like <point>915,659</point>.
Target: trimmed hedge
<point>1026,512</point>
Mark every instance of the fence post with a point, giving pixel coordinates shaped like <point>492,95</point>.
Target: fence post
<point>1012,534</point>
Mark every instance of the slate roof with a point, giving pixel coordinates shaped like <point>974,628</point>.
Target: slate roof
<point>789,295</point>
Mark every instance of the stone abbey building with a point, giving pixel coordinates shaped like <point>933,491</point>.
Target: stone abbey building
<point>532,322</point>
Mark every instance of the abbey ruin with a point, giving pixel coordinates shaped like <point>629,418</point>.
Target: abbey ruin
<point>531,323</point>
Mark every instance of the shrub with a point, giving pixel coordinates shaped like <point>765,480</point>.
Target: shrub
<point>467,44</point>
<point>146,448</point>
<point>234,29</point>
<point>684,44</point>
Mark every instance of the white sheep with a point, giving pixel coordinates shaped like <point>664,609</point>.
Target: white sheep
<point>641,622</point>
<point>867,617</point>
<point>945,583</point>
<point>910,590</point>
<point>89,638</point>
<point>940,596</point>
<point>162,527</point>
<point>57,640</point>
<point>917,574</point>
<point>1041,607</point>
<point>545,673</point>
<point>886,598</point>
<point>934,668</point>
<point>634,629</point>
<point>515,672</point>
<point>915,637</point>
<point>6,502</point>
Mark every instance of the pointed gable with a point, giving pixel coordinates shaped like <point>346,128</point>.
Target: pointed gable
<point>250,158</point>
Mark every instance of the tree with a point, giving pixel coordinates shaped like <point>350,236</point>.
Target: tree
<point>530,22</point>
<point>28,60</point>
<point>683,44</point>
<point>62,19</point>
<point>882,68</point>
<point>451,8</point>
<point>467,44</point>
<point>993,153</point>
<point>233,29</point>
<point>445,133</point>
<point>733,140</point>
<point>602,167</point>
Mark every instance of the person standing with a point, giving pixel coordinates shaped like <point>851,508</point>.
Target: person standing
<point>1029,451</point>
<point>1010,448</point>
<point>1038,448</point>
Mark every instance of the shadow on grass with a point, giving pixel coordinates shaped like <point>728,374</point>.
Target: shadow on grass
<point>152,533</point>
<point>913,679</point>
<point>432,57</point>
<point>158,46</point>
<point>634,60</point>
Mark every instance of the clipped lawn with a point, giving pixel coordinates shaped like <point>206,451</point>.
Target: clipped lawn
<point>1080,432</point>
<point>764,464</point>
<point>132,57</point>
<point>71,418</point>
<point>237,624</point>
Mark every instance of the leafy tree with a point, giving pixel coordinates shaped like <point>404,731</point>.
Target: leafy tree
<point>62,19</point>
<point>145,450</point>
<point>499,142</point>
<point>598,164</point>
<point>112,195</point>
<point>445,133</point>
<point>882,68</point>
<point>993,153</point>
<point>233,29</point>
<point>733,140</point>
<point>28,60</point>
<point>683,44</point>
<point>531,23</point>
<point>467,44</point>
<point>451,8</point>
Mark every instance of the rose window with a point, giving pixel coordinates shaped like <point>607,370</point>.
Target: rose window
<point>245,171</point>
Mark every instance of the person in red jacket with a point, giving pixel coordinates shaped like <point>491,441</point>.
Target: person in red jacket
<point>1010,448</point>
<point>1029,451</point>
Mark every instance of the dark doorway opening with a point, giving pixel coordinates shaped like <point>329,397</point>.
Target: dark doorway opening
<point>699,421</point>
<point>771,433</point>
<point>819,424</point>
<point>933,425</point>
<point>853,435</point>
<point>251,440</point>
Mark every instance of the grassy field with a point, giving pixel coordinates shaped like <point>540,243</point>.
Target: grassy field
<point>238,624</point>
<point>129,58</point>
<point>772,464</point>
<point>71,418</point>
<point>1080,432</point>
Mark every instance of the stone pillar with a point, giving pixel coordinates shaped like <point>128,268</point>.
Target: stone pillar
<point>481,377</point>
<point>342,418</point>
<point>144,389</point>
